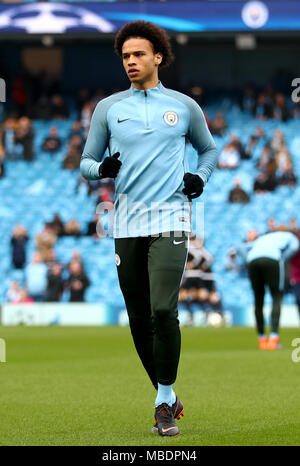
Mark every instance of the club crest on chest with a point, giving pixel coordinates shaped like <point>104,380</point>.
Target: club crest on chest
<point>171,118</point>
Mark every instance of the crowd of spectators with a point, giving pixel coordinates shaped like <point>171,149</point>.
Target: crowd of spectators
<point>45,277</point>
<point>274,163</point>
<point>267,104</point>
<point>17,139</point>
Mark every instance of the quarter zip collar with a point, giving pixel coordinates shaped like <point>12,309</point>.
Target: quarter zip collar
<point>153,90</point>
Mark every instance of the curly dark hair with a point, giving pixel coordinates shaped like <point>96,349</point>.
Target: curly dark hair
<point>156,35</point>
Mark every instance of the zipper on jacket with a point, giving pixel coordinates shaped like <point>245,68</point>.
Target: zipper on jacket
<point>146,109</point>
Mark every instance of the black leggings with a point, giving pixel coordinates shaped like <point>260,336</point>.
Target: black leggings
<point>265,271</point>
<point>150,271</point>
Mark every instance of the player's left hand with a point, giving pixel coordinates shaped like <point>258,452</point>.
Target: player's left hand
<point>193,186</point>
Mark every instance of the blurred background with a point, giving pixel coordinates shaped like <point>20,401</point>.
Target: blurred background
<point>238,59</point>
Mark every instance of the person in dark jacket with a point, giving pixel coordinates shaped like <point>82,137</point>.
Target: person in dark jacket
<point>237,194</point>
<point>52,143</point>
<point>24,135</point>
<point>18,242</point>
<point>77,282</point>
<point>55,286</point>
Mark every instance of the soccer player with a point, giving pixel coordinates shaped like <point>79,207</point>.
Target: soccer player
<point>265,257</point>
<point>145,129</point>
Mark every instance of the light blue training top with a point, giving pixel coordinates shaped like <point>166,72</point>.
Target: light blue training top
<point>149,129</point>
<point>278,245</point>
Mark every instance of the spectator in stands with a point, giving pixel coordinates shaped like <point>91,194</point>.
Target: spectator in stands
<point>265,157</point>
<point>218,125</point>
<point>248,100</point>
<point>288,176</point>
<point>52,143</point>
<point>295,110</point>
<point>59,109</point>
<point>2,166</point>
<point>250,146</point>
<point>72,160</point>
<point>18,242</point>
<point>197,93</point>
<point>24,136</point>
<point>45,241</point>
<point>77,282</point>
<point>266,181</point>
<point>42,108</point>
<point>13,292</point>
<point>263,109</point>
<point>229,157</point>
<point>51,259</point>
<point>282,157</point>
<point>77,130</point>
<point>57,225</point>
<point>260,133</point>
<point>92,227</point>
<point>36,278</point>
<point>106,194</point>
<point>24,297</point>
<point>280,110</point>
<point>235,141</point>
<point>278,140</point>
<point>76,256</point>
<point>237,194</point>
<point>72,228</point>
<point>8,139</point>
<point>55,283</point>
<point>82,99</point>
<point>86,114</point>
<point>99,95</point>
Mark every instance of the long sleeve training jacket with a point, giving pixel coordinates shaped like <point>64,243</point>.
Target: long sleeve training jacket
<point>149,129</point>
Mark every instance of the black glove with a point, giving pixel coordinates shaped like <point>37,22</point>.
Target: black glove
<point>110,166</point>
<point>193,185</point>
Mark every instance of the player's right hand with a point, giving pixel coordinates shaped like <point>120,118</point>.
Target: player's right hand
<point>110,166</point>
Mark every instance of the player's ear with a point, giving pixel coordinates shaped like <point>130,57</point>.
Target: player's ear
<point>158,58</point>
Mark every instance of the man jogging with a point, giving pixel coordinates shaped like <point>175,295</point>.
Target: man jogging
<point>265,257</point>
<point>145,130</point>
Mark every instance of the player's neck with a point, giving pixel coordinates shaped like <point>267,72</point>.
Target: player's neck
<point>149,84</point>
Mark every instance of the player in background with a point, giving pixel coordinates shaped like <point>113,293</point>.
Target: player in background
<point>145,129</point>
<point>265,257</point>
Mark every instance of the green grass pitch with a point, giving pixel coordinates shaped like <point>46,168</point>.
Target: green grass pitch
<point>86,386</point>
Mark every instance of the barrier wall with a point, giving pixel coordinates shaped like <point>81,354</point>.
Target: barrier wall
<point>81,314</point>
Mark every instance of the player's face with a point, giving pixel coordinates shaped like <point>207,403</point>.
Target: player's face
<point>140,61</point>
